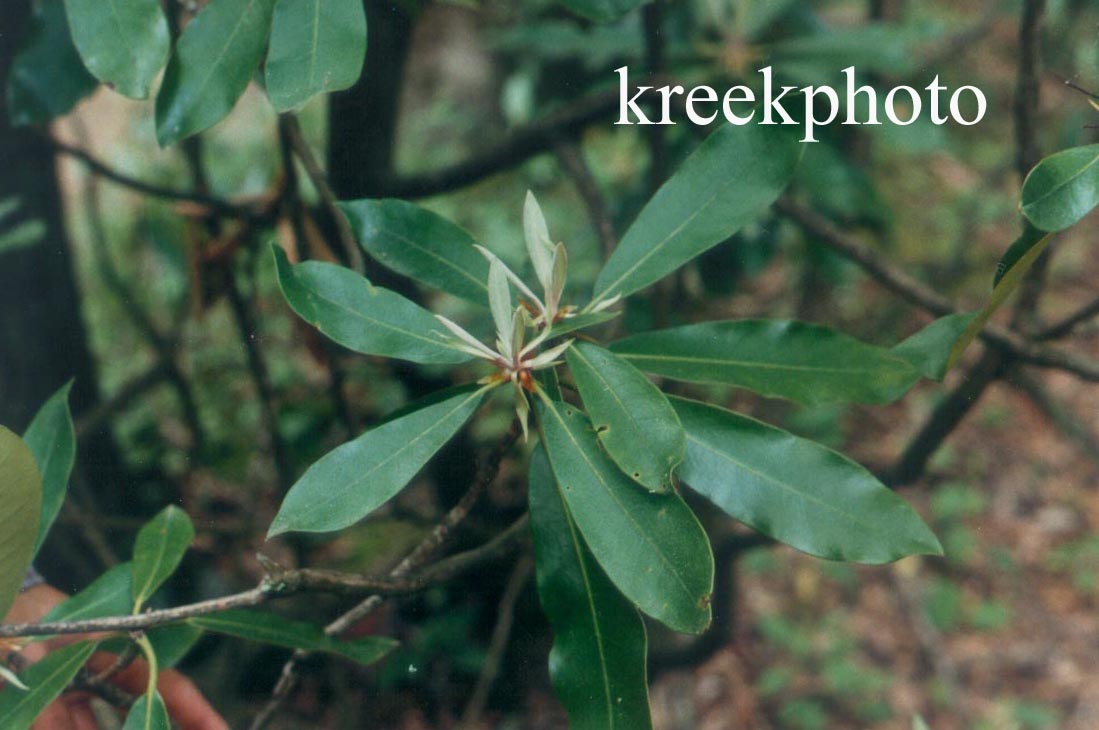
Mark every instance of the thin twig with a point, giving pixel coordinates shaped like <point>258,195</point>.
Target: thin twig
<point>501,633</point>
<point>218,206</point>
<point>92,420</point>
<point>571,157</point>
<point>128,299</point>
<point>288,583</point>
<point>420,554</point>
<point>288,123</point>
<point>900,282</point>
<point>519,146</point>
<point>1064,327</point>
<point>248,331</point>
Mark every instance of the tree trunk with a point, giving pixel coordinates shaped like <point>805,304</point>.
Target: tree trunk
<point>43,343</point>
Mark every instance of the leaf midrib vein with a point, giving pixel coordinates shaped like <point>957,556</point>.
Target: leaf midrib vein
<point>638,528</point>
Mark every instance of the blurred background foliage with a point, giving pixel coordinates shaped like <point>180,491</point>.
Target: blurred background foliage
<point>1002,633</point>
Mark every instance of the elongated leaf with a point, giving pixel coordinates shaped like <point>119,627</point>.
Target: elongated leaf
<point>1062,188</point>
<point>148,713</point>
<point>632,418</point>
<point>46,680</point>
<point>170,642</point>
<point>360,316</point>
<point>597,663</point>
<point>47,78</point>
<point>271,629</point>
<point>732,178</point>
<point>420,244</point>
<point>316,46</point>
<point>108,595</point>
<point>783,359</point>
<point>796,490</point>
<point>352,481</point>
<point>51,439</point>
<point>929,349</point>
<point>158,550</point>
<point>21,497</point>
<point>650,544</point>
<point>1020,256</point>
<point>581,321</point>
<point>214,60</point>
<point>601,10</point>
<point>124,43</point>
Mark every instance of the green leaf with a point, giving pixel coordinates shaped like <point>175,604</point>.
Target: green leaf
<point>52,440</point>
<point>47,78</point>
<point>731,179</point>
<point>1062,188</point>
<point>215,58</point>
<point>580,321</point>
<point>46,679</point>
<point>601,11</point>
<point>929,349</point>
<point>796,490</point>
<point>360,316</point>
<point>650,544</point>
<point>420,244</point>
<point>317,46</point>
<point>1020,256</point>
<point>271,629</point>
<point>803,362</point>
<point>597,664</point>
<point>148,713</point>
<point>124,43</point>
<point>108,595</point>
<point>21,497</point>
<point>170,642</point>
<point>918,723</point>
<point>158,550</point>
<point>352,481</point>
<point>632,418</point>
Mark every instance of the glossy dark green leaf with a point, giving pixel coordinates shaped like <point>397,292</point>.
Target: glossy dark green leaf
<point>317,46</point>
<point>420,244</point>
<point>777,358</point>
<point>360,316</point>
<point>1062,188</point>
<point>215,58</point>
<point>148,713</point>
<point>21,497</point>
<point>271,629</point>
<point>650,544</point>
<point>52,440</point>
<point>170,642</point>
<point>124,43</point>
<point>47,77</point>
<point>731,179</point>
<point>632,418</point>
<point>352,481</point>
<point>173,642</point>
<point>597,664</point>
<point>929,349</point>
<point>108,595</point>
<point>601,10</point>
<point>158,550</point>
<point>796,490</point>
<point>1016,262</point>
<point>45,680</point>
